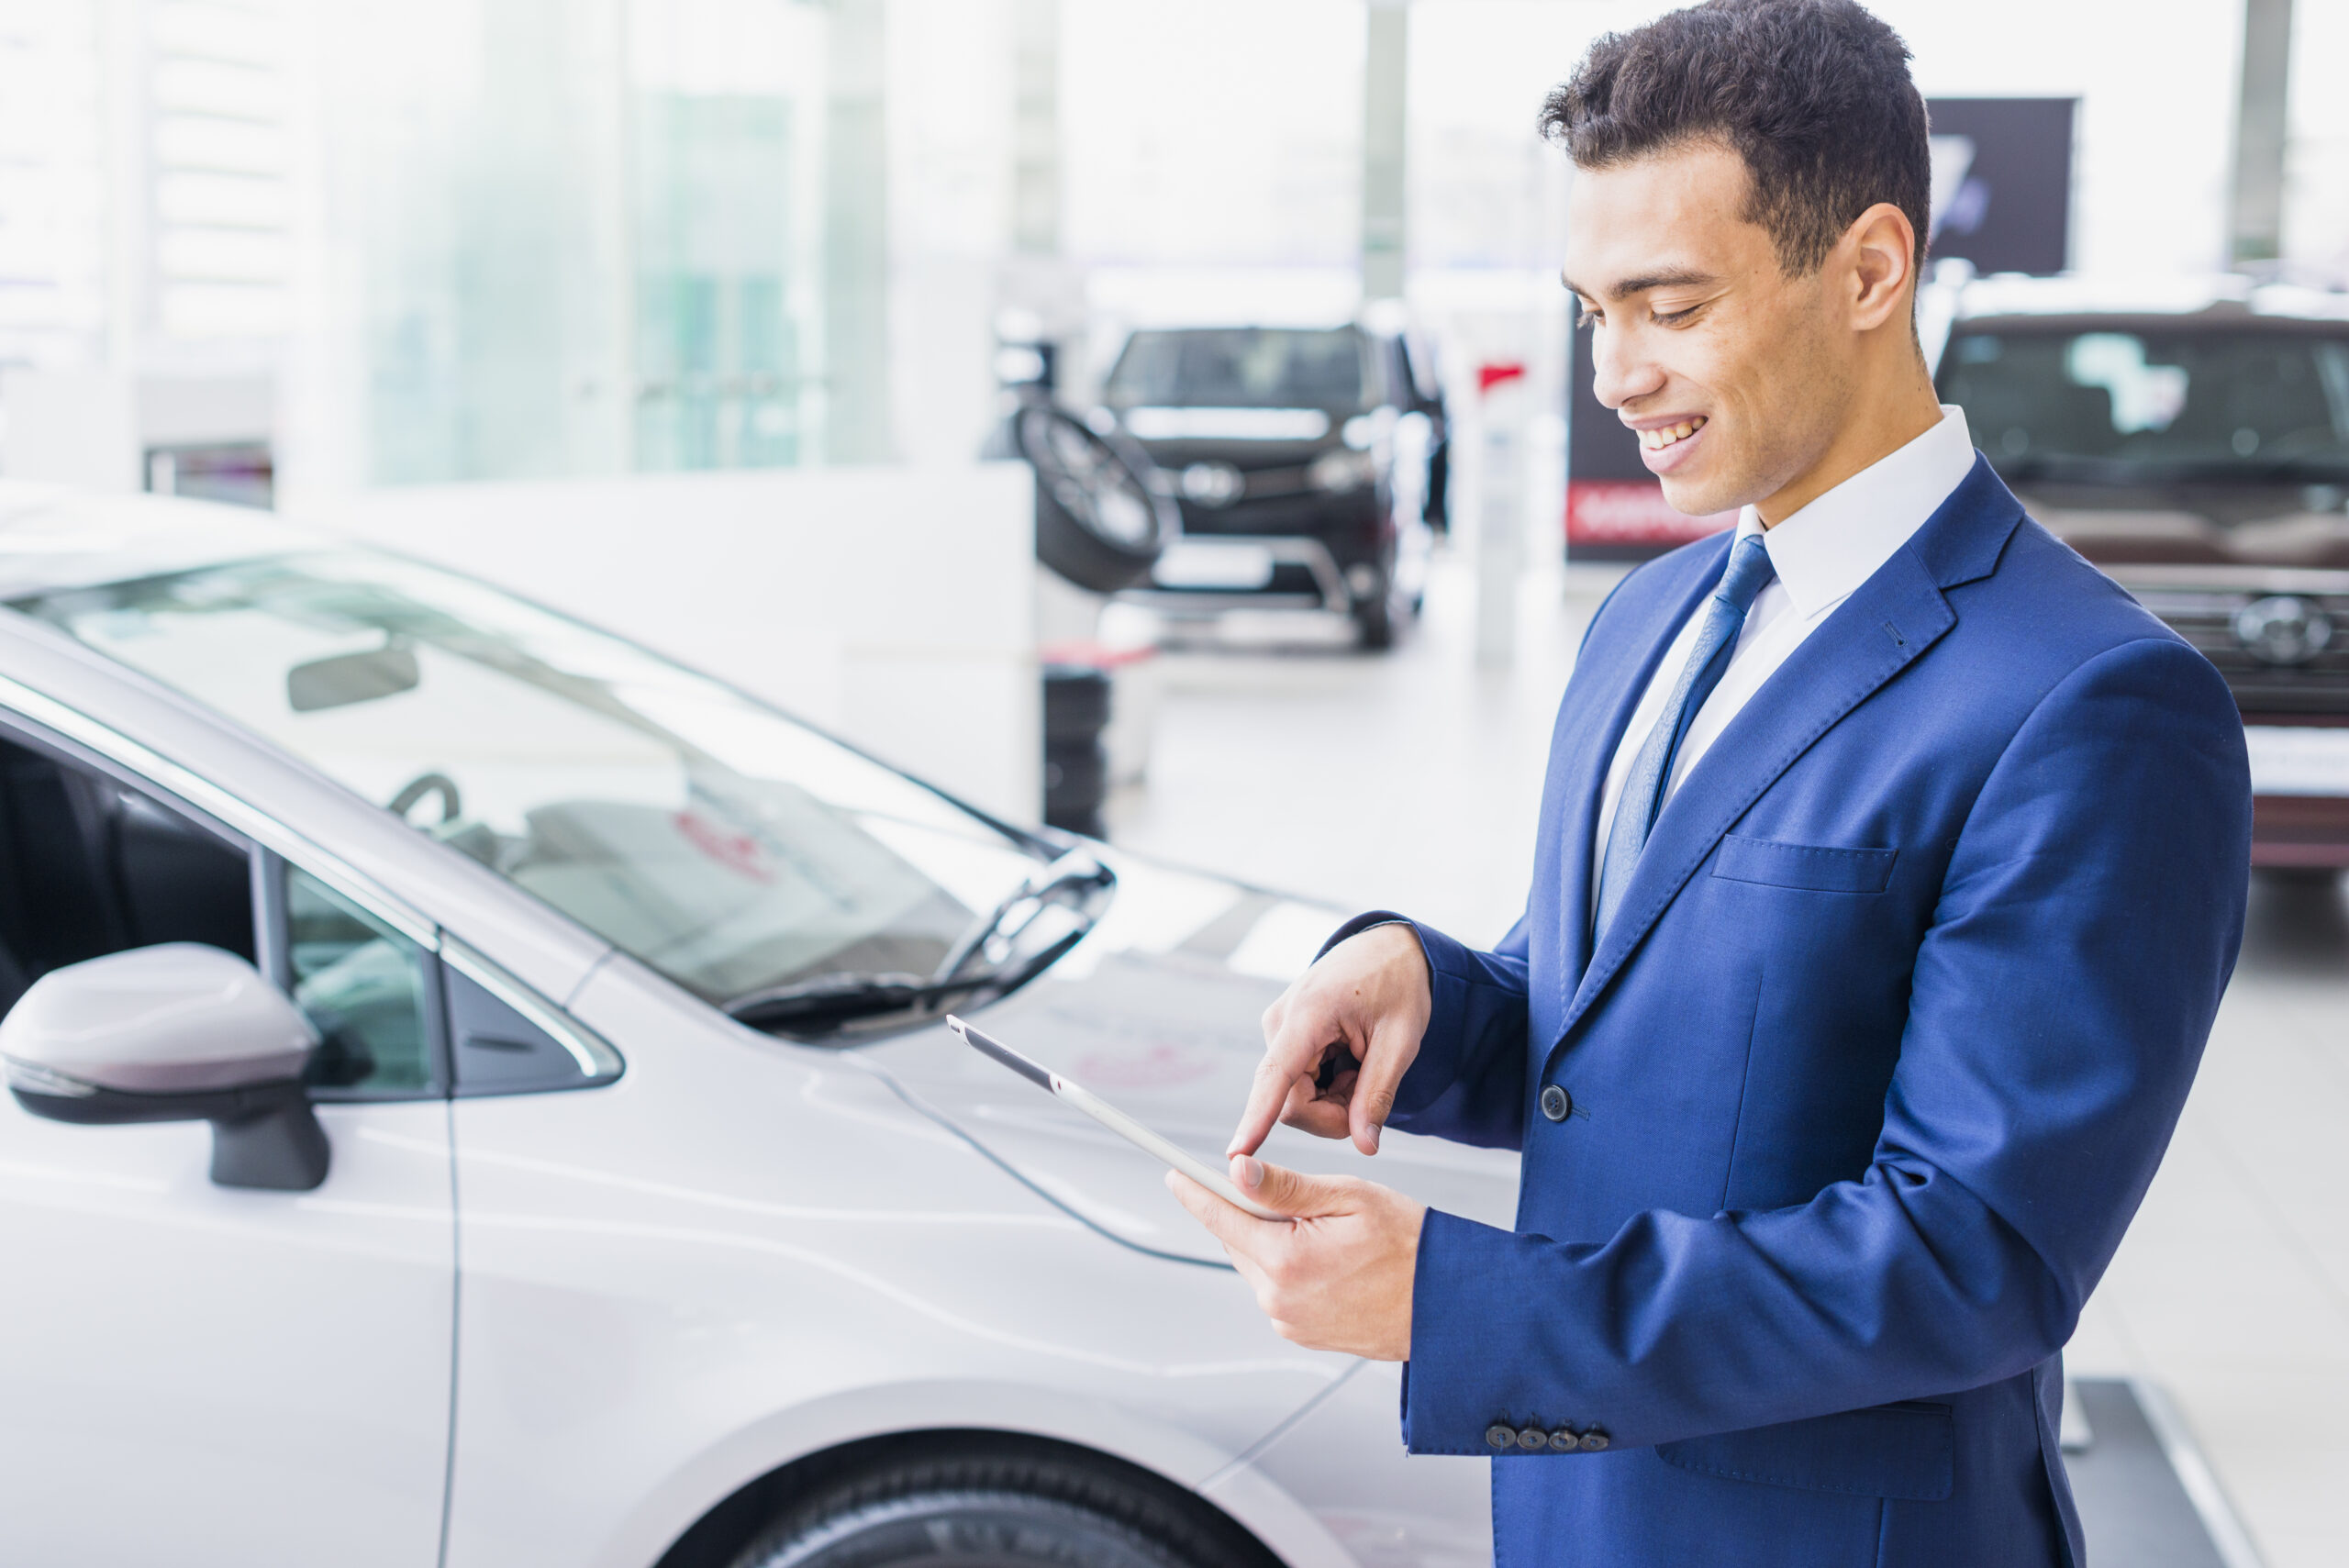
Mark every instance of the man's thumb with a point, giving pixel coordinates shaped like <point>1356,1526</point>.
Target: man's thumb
<point>1290,1191</point>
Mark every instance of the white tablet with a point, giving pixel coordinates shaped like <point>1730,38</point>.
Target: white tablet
<point>1113,1119</point>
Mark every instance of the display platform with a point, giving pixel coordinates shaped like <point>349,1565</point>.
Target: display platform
<point>2147,1499</point>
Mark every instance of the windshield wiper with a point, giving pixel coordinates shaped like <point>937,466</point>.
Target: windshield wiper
<point>831,1002</point>
<point>1076,872</point>
<point>825,1003</point>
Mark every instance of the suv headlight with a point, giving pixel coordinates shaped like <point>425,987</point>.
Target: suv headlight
<point>1341,470</point>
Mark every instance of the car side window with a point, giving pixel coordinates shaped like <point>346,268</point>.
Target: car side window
<point>507,1042</point>
<point>90,866</point>
<point>367,988</point>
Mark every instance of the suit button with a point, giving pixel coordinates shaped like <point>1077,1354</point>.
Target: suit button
<point>1556,1103</point>
<point>1594,1440</point>
<point>1499,1436</point>
<point>1565,1440</point>
<point>1533,1438</point>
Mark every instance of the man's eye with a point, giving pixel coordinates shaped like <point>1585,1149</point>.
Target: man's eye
<point>1588,318</point>
<point>1674,318</point>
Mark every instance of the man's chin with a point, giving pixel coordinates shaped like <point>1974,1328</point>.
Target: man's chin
<point>1698,498</point>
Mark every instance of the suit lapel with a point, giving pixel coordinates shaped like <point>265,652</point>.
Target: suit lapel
<point>1892,617</point>
<point>1582,753</point>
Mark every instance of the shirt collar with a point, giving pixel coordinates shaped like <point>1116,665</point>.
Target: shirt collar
<point>1825,550</point>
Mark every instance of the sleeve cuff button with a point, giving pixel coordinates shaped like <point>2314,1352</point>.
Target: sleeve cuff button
<point>1498,1436</point>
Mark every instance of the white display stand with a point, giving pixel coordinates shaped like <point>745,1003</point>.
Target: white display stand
<point>893,607</point>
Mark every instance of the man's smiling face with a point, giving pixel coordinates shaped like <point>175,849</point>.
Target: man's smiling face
<point>1735,375</point>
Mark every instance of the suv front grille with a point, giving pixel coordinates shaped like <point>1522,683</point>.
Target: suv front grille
<point>1313,514</point>
<point>2320,684</point>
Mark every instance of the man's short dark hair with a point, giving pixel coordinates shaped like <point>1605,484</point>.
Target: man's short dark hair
<point>1814,95</point>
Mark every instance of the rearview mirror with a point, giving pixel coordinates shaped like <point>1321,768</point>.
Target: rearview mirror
<point>179,1032</point>
<point>348,678</point>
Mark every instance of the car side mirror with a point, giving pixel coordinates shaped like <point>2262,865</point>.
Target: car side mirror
<point>179,1032</point>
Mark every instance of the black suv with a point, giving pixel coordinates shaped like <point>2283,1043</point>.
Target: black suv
<point>1301,460</point>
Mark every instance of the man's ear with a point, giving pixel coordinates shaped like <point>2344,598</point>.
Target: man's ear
<point>1880,250</point>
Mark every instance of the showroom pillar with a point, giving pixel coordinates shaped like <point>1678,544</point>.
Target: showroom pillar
<point>2256,213</point>
<point>856,236</point>
<point>1036,127</point>
<point>1382,83</point>
<point>1039,293</point>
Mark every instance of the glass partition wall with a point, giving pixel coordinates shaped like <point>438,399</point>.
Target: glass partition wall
<point>583,235</point>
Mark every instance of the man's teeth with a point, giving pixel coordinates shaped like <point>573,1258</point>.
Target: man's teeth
<point>1656,440</point>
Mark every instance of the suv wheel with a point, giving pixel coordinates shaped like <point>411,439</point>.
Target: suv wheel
<point>983,1509</point>
<point>1374,623</point>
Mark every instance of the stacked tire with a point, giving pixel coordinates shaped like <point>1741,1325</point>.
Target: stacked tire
<point>1076,768</point>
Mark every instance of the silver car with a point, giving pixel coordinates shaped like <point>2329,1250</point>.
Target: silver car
<point>477,1099</point>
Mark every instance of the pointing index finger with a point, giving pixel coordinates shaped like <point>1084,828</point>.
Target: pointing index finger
<point>1266,1096</point>
<point>1289,1055</point>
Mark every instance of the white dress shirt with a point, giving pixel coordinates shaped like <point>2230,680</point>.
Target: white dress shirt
<point>1820,554</point>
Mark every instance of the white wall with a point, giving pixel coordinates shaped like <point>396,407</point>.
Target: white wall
<point>2156,82</point>
<point>70,427</point>
<point>894,607</point>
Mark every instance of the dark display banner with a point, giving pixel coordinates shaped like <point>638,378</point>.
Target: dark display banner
<point>2001,199</point>
<point>2002,182</point>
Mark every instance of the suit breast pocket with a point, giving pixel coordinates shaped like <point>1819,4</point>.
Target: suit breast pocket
<point>1819,868</point>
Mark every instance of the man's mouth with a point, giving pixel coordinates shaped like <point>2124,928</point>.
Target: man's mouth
<point>1656,440</point>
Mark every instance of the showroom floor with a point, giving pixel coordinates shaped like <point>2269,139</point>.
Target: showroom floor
<point>1413,780</point>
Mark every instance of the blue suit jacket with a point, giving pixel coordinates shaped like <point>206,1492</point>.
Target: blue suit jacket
<point>1869,1073</point>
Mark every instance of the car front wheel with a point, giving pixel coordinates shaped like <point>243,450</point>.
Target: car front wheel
<point>980,1510</point>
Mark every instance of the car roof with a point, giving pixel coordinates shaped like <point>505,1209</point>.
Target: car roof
<point>1201,329</point>
<point>2225,297</point>
<point>52,537</point>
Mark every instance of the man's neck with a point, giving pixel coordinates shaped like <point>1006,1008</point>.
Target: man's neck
<point>1888,419</point>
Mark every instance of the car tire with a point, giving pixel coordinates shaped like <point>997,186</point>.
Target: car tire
<point>1374,625</point>
<point>978,1509</point>
<point>1098,522</point>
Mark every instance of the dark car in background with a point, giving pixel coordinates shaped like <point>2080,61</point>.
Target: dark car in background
<point>1300,459</point>
<point>2189,437</point>
<point>2196,448</point>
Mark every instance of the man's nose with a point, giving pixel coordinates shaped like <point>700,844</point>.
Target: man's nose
<point>1620,373</point>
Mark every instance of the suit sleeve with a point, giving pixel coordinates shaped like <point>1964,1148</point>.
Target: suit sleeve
<point>2087,926</point>
<point>1468,1082</point>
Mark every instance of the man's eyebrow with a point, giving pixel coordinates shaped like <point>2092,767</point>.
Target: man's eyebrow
<point>1640,283</point>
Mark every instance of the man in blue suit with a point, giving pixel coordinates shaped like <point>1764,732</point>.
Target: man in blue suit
<point>1891,864</point>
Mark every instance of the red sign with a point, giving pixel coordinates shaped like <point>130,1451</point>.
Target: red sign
<point>1489,376</point>
<point>1632,511</point>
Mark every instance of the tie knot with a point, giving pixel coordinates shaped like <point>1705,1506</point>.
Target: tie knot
<point>1748,574</point>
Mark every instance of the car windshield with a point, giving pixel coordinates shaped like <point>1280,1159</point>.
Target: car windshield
<point>734,850</point>
<point>2186,403</point>
<point>1239,367</point>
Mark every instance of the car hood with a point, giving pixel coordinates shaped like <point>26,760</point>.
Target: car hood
<point>1157,1012</point>
<point>2195,525</point>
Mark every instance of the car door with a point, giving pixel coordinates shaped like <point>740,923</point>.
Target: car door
<point>192,1374</point>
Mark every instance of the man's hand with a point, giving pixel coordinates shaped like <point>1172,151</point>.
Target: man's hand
<point>1336,1278</point>
<point>1361,1010</point>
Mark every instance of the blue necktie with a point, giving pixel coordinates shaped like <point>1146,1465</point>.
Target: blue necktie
<point>1748,571</point>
